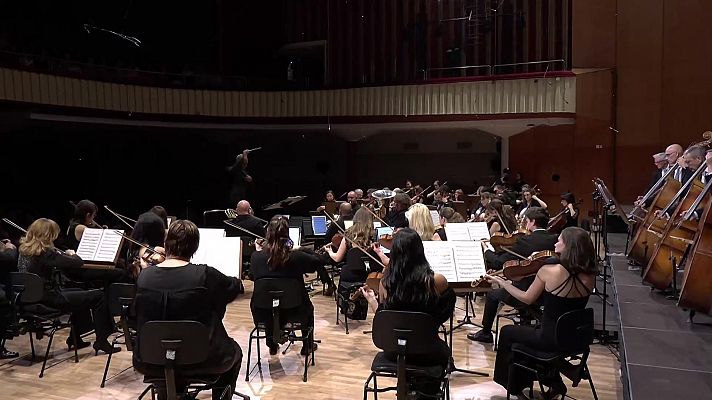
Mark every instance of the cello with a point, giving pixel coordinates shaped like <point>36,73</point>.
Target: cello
<point>696,291</point>
<point>674,237</point>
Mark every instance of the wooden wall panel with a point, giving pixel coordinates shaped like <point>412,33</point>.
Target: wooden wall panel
<point>594,33</point>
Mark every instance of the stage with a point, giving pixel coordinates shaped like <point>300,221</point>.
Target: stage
<point>663,356</point>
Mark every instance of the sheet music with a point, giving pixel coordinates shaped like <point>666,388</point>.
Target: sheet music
<point>441,259</point>
<point>469,261</point>
<point>466,231</point>
<point>295,235</point>
<point>219,252</point>
<point>99,245</point>
<point>435,216</point>
<point>478,230</point>
<point>457,261</point>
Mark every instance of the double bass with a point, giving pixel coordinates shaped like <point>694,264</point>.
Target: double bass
<point>696,290</point>
<point>674,238</point>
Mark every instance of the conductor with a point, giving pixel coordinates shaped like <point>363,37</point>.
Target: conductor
<point>240,178</point>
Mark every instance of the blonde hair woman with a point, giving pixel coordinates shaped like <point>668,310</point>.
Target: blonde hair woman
<point>362,234</point>
<point>420,220</point>
<point>39,256</point>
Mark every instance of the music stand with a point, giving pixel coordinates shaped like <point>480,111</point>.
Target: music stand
<point>291,200</point>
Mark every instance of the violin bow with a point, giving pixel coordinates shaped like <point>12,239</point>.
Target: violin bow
<point>228,222</point>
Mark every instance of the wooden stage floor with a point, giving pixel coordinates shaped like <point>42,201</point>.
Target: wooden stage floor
<point>342,365</point>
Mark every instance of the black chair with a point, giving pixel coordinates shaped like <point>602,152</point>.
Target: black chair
<point>277,295</point>
<point>574,335</point>
<point>343,294</point>
<point>120,297</point>
<point>35,318</point>
<point>405,334</point>
<point>173,344</point>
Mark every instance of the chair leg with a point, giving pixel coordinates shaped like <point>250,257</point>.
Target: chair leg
<point>32,347</point>
<point>375,387</point>
<point>496,332</point>
<point>75,338</point>
<point>590,382</point>
<point>346,322</point>
<point>259,351</point>
<point>49,346</point>
<point>249,354</point>
<point>149,387</point>
<point>106,368</point>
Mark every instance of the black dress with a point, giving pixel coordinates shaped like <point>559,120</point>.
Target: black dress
<point>355,268</point>
<point>298,264</point>
<point>544,338</point>
<point>524,206</point>
<point>195,293</point>
<point>571,220</point>
<point>72,242</point>
<point>78,302</point>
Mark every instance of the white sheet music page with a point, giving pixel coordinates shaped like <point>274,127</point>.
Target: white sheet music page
<point>435,216</point>
<point>99,245</point>
<point>441,260</point>
<point>457,231</point>
<point>109,245</point>
<point>478,230</point>
<point>469,261</point>
<point>91,238</point>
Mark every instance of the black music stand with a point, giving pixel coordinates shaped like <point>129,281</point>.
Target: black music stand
<point>451,364</point>
<point>291,200</point>
<point>606,203</point>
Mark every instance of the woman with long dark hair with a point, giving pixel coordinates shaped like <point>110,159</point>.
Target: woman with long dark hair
<point>277,259</point>
<point>409,284</point>
<point>563,286</point>
<point>150,230</point>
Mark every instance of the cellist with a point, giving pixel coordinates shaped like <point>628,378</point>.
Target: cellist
<point>535,220</point>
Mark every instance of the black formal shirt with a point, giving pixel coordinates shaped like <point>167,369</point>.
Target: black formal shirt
<point>8,263</point>
<point>397,219</point>
<point>333,230</point>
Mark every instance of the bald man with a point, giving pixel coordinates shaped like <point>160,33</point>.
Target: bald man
<point>246,220</point>
<point>672,154</point>
<point>345,214</point>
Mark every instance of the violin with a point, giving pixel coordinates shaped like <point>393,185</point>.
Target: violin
<point>499,239</point>
<point>515,270</point>
<point>372,282</point>
<point>335,243</point>
<point>386,240</point>
<point>558,221</point>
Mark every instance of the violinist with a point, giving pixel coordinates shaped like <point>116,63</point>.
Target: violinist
<point>429,197</point>
<point>529,199</point>
<point>442,198</point>
<point>241,179</point>
<point>352,198</point>
<point>39,256</point>
<point>568,201</point>
<point>149,231</point>
<point>478,215</point>
<point>535,220</point>
<point>417,194</point>
<point>246,220</point>
<point>84,214</point>
<point>396,216</point>
<point>459,195</point>
<point>345,214</point>
<point>360,233</point>
<point>496,214</point>
<point>408,185</point>
<point>277,260</point>
<point>420,220</point>
<point>162,213</point>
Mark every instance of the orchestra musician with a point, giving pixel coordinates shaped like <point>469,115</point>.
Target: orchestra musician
<point>352,198</point>
<point>535,220</point>
<point>478,215</point>
<point>361,233</point>
<point>419,220</point>
<point>409,284</point>
<point>8,263</point>
<point>459,195</point>
<point>345,214</point>
<point>245,219</point>
<point>84,214</point>
<point>277,260</point>
<point>529,199</point>
<point>149,230</point>
<point>241,179</point>
<point>442,198</point>
<point>706,177</point>
<point>497,213</point>
<point>672,154</point>
<point>396,216</point>
<point>359,194</point>
<point>161,212</point>
<point>561,287</point>
<point>177,289</point>
<point>568,201</point>
<point>660,163</point>
<point>39,256</point>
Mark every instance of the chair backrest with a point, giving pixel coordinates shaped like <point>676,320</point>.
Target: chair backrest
<point>187,342</point>
<point>574,330</point>
<point>120,295</point>
<point>287,291</point>
<point>405,332</point>
<point>31,286</point>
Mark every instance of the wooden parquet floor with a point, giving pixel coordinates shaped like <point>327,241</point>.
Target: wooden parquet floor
<point>342,366</point>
